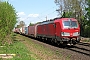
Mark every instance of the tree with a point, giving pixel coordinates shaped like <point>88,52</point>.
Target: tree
<point>72,7</point>
<point>22,23</point>
<point>31,24</point>
<point>88,11</point>
<point>7,19</point>
<point>87,27</point>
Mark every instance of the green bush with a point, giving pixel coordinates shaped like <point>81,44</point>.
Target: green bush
<point>7,19</point>
<point>87,31</point>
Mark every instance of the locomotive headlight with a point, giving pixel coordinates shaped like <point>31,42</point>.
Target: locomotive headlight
<point>76,33</point>
<point>65,34</point>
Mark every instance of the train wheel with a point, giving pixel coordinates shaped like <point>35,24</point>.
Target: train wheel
<point>55,40</point>
<point>58,43</point>
<point>64,44</point>
<point>51,40</point>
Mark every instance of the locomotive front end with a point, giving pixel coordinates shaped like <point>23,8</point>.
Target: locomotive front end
<point>70,33</point>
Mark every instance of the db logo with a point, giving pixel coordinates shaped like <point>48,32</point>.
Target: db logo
<point>71,34</point>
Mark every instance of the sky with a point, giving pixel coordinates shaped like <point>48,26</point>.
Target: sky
<point>33,11</point>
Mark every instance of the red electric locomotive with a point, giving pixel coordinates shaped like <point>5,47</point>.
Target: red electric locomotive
<point>60,30</point>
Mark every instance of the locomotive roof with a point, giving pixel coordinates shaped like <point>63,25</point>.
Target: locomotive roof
<point>48,21</point>
<point>52,20</point>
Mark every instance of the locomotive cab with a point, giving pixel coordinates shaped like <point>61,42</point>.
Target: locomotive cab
<point>69,31</point>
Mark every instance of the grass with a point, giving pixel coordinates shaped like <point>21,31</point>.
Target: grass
<point>40,48</point>
<point>26,49</point>
<point>87,40</point>
<point>45,51</point>
<point>59,53</point>
<point>17,48</point>
<point>68,57</point>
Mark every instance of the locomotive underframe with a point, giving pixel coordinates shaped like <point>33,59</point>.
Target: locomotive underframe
<point>68,40</point>
<point>58,40</point>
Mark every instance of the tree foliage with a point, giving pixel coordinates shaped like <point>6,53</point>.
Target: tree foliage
<point>87,27</point>
<point>31,24</point>
<point>88,11</point>
<point>21,24</point>
<point>7,19</point>
<point>73,7</point>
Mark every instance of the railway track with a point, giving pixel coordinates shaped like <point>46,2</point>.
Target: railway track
<point>80,51</point>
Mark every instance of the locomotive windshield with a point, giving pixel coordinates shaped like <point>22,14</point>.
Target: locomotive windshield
<point>70,24</point>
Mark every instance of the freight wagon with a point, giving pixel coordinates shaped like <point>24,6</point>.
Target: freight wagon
<point>26,30</point>
<point>16,30</point>
<point>22,30</point>
<point>32,30</point>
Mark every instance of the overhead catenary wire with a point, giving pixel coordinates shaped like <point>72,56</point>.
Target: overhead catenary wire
<point>43,17</point>
<point>47,10</point>
<point>44,12</point>
<point>46,15</point>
